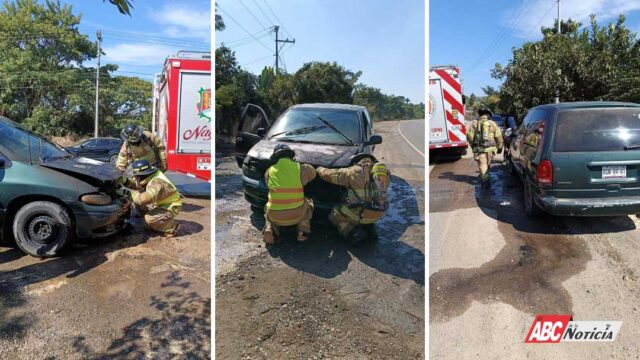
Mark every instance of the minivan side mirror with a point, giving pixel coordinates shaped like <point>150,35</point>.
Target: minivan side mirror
<point>374,140</point>
<point>261,132</point>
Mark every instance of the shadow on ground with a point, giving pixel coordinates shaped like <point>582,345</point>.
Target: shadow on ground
<point>180,328</point>
<point>327,255</point>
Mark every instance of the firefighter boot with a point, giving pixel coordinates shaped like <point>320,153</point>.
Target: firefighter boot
<point>302,236</point>
<point>268,234</point>
<point>357,235</point>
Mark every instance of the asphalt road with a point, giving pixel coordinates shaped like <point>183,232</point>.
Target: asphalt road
<point>492,269</point>
<point>133,296</point>
<point>413,132</point>
<point>322,298</point>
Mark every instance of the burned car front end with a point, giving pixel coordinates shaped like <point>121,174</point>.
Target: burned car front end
<point>324,194</point>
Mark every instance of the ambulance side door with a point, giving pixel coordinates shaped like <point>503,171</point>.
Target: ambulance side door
<point>253,125</point>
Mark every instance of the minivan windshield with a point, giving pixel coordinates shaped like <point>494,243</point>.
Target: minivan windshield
<point>28,145</point>
<point>305,125</point>
<point>607,129</point>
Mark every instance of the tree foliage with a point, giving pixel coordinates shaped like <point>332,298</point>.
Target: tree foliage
<point>582,63</point>
<point>43,80</point>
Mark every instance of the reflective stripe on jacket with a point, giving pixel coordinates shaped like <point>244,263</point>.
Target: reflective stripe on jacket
<point>285,185</point>
<point>159,191</point>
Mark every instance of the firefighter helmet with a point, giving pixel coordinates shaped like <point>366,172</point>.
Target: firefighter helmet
<point>363,158</point>
<point>131,133</point>
<point>282,151</point>
<point>142,168</point>
<point>485,111</point>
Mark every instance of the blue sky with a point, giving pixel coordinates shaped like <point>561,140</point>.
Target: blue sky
<point>476,34</point>
<point>140,43</point>
<point>383,39</point>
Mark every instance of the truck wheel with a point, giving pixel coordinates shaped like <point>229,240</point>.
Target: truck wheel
<point>113,159</point>
<point>42,229</point>
<point>530,207</point>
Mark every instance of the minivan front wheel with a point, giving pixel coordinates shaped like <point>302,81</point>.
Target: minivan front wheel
<point>42,228</point>
<point>530,207</point>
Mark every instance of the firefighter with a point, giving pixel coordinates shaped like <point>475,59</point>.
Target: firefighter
<point>287,205</point>
<point>155,197</point>
<point>366,198</point>
<point>485,140</point>
<point>139,144</point>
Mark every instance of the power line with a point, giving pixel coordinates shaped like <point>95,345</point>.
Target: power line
<point>251,13</point>
<point>276,17</point>
<point>502,35</point>
<point>263,13</point>
<point>242,27</point>
<point>256,60</point>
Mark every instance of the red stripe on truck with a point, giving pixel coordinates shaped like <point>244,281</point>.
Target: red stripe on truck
<point>455,121</point>
<point>450,80</point>
<point>455,104</point>
<point>453,136</point>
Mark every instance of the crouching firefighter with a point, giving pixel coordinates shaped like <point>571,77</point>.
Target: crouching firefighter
<point>287,205</point>
<point>366,198</point>
<point>139,145</point>
<point>155,196</point>
<point>485,139</point>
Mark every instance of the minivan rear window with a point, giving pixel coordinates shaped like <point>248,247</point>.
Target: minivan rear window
<point>596,130</point>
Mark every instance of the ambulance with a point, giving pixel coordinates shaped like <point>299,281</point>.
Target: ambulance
<point>447,131</point>
<point>182,113</point>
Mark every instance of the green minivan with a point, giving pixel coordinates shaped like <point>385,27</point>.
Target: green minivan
<point>579,159</point>
<point>49,196</point>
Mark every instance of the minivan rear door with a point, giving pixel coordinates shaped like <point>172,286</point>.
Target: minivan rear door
<point>588,152</point>
<point>253,125</point>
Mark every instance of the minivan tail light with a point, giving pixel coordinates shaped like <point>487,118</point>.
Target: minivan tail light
<point>544,173</point>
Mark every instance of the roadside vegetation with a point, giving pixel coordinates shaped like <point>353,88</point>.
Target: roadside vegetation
<point>322,82</point>
<point>584,62</point>
<point>45,83</point>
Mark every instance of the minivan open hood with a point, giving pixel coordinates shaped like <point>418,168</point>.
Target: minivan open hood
<point>313,154</point>
<point>85,169</point>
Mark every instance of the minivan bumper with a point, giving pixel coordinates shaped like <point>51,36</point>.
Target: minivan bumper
<point>100,221</point>
<point>256,193</point>
<point>628,205</point>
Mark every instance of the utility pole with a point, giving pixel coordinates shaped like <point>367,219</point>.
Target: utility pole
<point>287,40</point>
<point>95,131</point>
<point>559,33</point>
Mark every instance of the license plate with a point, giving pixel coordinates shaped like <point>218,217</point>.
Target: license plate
<point>614,172</point>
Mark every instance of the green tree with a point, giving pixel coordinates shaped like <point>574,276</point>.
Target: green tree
<point>324,82</point>
<point>581,63</point>
<point>41,58</point>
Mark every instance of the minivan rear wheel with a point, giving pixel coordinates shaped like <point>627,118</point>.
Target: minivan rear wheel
<point>42,228</point>
<point>530,207</point>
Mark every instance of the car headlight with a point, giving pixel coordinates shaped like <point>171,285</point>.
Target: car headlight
<point>96,199</point>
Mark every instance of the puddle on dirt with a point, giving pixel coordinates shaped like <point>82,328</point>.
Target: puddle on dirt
<point>527,273</point>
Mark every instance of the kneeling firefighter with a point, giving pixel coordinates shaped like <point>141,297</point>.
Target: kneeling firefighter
<point>366,199</point>
<point>485,139</point>
<point>287,205</point>
<point>138,145</point>
<point>155,196</point>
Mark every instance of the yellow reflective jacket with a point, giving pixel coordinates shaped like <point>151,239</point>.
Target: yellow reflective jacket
<point>285,185</point>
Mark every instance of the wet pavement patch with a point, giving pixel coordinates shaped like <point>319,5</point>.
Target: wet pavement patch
<point>527,273</point>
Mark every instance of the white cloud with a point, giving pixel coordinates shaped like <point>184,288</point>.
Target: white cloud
<point>527,19</point>
<point>185,21</point>
<point>138,54</point>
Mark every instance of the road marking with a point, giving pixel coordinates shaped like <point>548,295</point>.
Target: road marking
<point>409,142</point>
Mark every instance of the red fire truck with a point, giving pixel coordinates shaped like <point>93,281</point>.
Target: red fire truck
<point>182,113</point>
<point>446,110</point>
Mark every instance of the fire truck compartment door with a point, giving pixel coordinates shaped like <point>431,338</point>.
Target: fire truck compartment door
<point>437,122</point>
<point>253,118</point>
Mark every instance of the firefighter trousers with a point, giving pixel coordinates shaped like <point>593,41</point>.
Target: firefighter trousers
<point>160,219</point>
<point>484,163</point>
<point>299,217</point>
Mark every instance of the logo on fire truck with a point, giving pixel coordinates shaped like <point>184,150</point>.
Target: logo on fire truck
<point>432,105</point>
<point>204,104</point>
